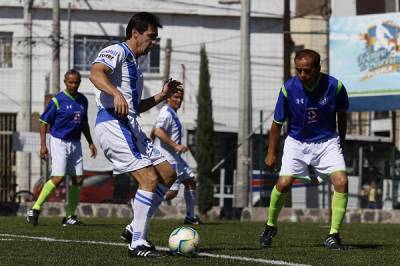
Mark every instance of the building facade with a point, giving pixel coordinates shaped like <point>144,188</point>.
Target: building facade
<point>96,24</point>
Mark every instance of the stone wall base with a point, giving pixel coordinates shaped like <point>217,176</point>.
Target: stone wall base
<point>256,214</point>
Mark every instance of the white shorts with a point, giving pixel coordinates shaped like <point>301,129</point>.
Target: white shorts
<point>325,157</point>
<point>66,157</point>
<point>126,146</point>
<point>183,172</point>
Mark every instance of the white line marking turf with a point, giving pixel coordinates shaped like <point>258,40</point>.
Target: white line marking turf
<point>201,254</point>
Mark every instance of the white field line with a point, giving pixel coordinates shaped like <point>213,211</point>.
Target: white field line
<point>11,237</point>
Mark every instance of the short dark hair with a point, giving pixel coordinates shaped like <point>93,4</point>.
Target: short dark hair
<point>313,55</point>
<point>140,22</point>
<point>72,72</point>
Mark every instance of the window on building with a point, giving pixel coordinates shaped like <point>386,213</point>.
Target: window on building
<point>87,47</point>
<point>5,49</point>
<point>381,115</point>
<point>365,7</point>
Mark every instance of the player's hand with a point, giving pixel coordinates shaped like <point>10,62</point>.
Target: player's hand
<point>270,163</point>
<point>179,148</point>
<point>170,87</point>
<point>120,105</point>
<point>44,152</point>
<point>93,151</point>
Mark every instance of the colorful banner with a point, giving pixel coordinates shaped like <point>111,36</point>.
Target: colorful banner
<point>365,53</point>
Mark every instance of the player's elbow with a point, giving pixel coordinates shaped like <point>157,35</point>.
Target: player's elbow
<point>156,132</point>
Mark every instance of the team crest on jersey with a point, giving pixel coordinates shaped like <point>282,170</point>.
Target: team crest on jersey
<point>77,117</point>
<point>312,116</point>
<point>323,100</point>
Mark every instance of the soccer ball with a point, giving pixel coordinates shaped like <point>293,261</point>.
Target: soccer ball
<point>184,241</point>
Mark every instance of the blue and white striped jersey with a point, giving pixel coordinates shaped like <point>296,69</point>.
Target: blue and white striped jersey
<point>126,76</point>
<point>168,120</point>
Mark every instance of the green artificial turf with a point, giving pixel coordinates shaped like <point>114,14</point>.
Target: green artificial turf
<point>296,243</point>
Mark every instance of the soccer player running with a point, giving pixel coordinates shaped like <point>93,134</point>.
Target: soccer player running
<point>119,82</point>
<point>168,134</point>
<point>310,101</point>
<point>66,115</point>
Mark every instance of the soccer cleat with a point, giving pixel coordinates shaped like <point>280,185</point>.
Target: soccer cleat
<point>145,251</point>
<point>333,241</point>
<point>126,235</point>
<point>32,216</point>
<point>73,220</point>
<point>196,220</point>
<point>267,235</point>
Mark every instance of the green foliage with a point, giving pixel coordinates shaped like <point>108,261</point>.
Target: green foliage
<point>204,137</point>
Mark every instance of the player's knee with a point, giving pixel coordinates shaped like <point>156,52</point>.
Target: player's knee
<point>284,184</point>
<point>77,181</point>
<point>340,182</point>
<point>171,194</point>
<point>190,184</point>
<point>151,181</point>
<point>57,180</point>
<point>170,179</point>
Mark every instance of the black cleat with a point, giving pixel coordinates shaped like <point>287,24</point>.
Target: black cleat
<point>196,220</point>
<point>267,235</point>
<point>126,235</point>
<point>73,220</point>
<point>146,251</point>
<point>333,242</point>
<point>32,216</point>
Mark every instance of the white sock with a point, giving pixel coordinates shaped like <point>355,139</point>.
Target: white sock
<point>141,209</point>
<point>158,197</point>
<point>190,199</point>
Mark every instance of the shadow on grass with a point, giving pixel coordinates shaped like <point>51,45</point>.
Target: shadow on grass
<point>345,246</point>
<point>104,225</point>
<point>363,246</point>
<point>210,250</point>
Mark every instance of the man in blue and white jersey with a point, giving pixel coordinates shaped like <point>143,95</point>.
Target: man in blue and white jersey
<point>119,82</point>
<point>168,133</point>
<point>313,103</point>
<point>66,115</point>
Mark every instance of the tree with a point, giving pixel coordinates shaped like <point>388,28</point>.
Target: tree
<point>204,137</point>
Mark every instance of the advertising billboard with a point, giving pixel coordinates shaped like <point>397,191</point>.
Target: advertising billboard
<point>365,53</point>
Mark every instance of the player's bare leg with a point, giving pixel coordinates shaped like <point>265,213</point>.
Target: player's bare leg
<point>165,177</point>
<point>339,205</point>
<point>142,204</point>
<point>33,214</point>
<point>73,201</point>
<point>278,198</point>
<point>190,200</point>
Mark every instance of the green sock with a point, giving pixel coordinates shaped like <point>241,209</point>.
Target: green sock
<point>275,206</point>
<point>47,189</point>
<point>73,199</point>
<point>339,205</point>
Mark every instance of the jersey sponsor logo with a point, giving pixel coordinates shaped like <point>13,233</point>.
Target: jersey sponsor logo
<point>69,107</point>
<point>300,100</point>
<point>109,56</point>
<point>111,52</point>
<point>312,115</point>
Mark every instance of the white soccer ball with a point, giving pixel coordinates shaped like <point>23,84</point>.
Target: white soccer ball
<point>184,241</point>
